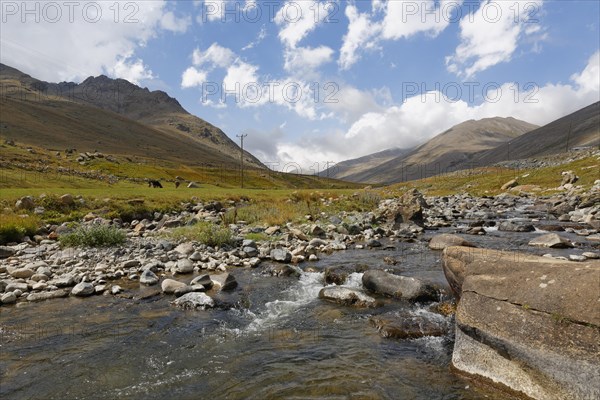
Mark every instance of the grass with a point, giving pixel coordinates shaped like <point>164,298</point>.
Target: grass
<point>489,180</point>
<point>93,236</point>
<point>14,227</point>
<point>204,232</point>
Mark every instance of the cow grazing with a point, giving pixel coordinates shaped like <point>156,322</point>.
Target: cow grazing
<point>154,184</point>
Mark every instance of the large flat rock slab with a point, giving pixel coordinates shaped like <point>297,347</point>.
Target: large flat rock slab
<point>528,323</point>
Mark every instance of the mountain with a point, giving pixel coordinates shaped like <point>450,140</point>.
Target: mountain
<point>353,170</point>
<point>446,151</point>
<point>579,129</point>
<point>112,116</point>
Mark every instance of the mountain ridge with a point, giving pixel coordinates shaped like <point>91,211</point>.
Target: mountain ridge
<point>196,139</point>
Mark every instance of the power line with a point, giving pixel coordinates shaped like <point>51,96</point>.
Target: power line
<point>242,156</point>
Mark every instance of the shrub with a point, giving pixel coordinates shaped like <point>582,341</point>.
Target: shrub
<point>14,227</point>
<point>204,232</point>
<point>93,236</point>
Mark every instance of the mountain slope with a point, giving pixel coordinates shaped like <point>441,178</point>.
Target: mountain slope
<point>579,129</point>
<point>353,170</point>
<point>446,151</point>
<point>110,115</point>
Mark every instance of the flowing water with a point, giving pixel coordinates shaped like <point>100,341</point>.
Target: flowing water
<point>271,338</point>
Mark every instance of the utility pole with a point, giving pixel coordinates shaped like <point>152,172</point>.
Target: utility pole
<point>242,156</point>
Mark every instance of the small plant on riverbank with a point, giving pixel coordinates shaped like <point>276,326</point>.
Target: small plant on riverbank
<point>14,227</point>
<point>93,236</point>
<point>204,232</point>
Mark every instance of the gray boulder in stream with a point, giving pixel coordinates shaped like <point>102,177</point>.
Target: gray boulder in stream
<point>526,322</point>
<point>194,300</point>
<point>400,287</point>
<point>407,325</point>
<point>347,296</point>
<point>440,242</point>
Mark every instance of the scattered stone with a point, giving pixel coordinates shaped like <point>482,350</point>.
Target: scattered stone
<point>8,298</point>
<point>21,273</point>
<point>193,185</point>
<point>281,255</point>
<point>41,296</point>
<point>185,248</point>
<point>149,278</point>
<point>202,280</point>
<point>116,289</point>
<point>169,286</point>
<point>576,257</point>
<point>194,300</point>
<point>510,226</point>
<point>25,203</point>
<point>551,240</point>
<point>272,230</point>
<point>591,255</point>
<point>347,297</point>
<point>83,289</point>
<point>67,199</point>
<point>317,231</point>
<point>510,184</point>
<point>568,178</point>
<point>184,266</point>
<point>66,280</point>
<point>373,243</point>
<point>397,286</point>
<point>440,242</point>
<point>6,252</point>
<point>409,325</point>
<point>224,281</point>
<point>283,270</point>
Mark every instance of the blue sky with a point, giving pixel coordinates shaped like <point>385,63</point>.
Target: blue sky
<point>370,60</point>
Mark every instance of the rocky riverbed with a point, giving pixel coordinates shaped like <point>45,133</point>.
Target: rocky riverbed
<point>376,273</point>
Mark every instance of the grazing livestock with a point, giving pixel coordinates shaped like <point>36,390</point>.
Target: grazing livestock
<point>154,184</point>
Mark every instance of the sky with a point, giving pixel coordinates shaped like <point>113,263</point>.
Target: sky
<point>313,82</point>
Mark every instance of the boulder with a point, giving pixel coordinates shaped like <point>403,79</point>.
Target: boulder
<point>338,274</point>
<point>193,185</point>
<point>184,266</point>
<point>65,280</point>
<point>400,287</point>
<point>510,226</point>
<point>347,296</point>
<point>54,294</point>
<point>202,280</point>
<point>526,322</point>
<point>21,273</point>
<point>551,240</point>
<point>510,184</point>
<point>568,178</point>
<point>281,255</point>
<point>410,325</point>
<point>6,252</point>
<point>194,300</point>
<point>67,199</point>
<point>8,298</point>
<point>408,209</point>
<point>224,281</point>
<point>149,278</point>
<point>83,289</point>
<point>440,242</point>
<point>25,203</point>
<point>283,270</point>
<point>316,230</point>
<point>185,248</point>
<point>170,285</point>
